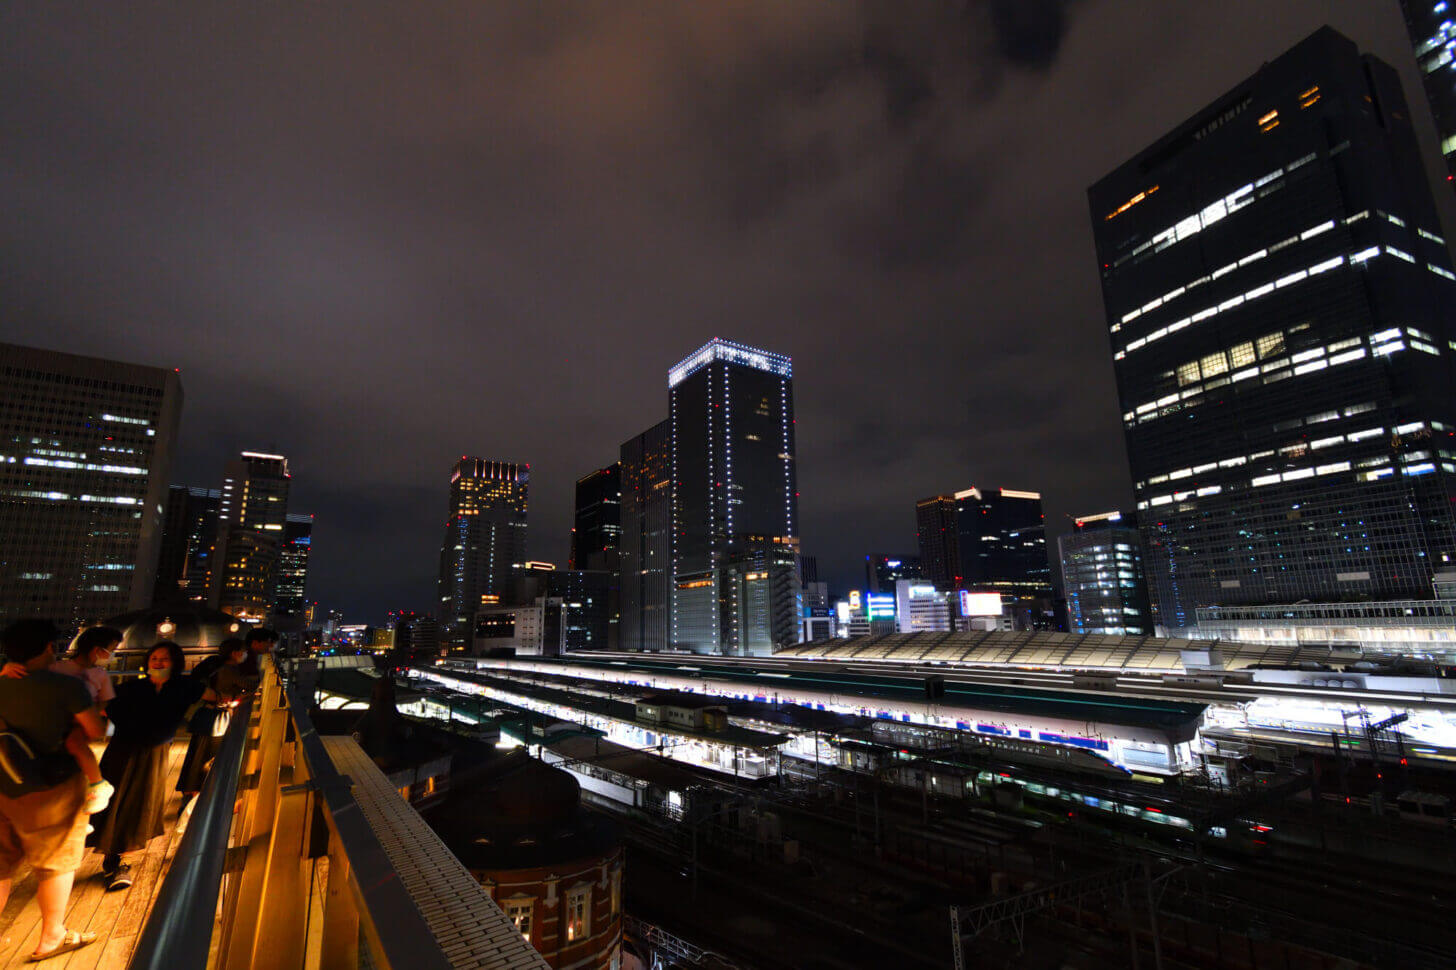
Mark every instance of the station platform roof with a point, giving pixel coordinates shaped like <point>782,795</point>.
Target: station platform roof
<point>624,711</point>
<point>1088,706</point>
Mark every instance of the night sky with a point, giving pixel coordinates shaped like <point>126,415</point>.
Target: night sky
<point>378,236</point>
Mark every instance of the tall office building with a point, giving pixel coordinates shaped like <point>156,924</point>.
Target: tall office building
<point>485,537</point>
<point>882,573</point>
<point>935,530</point>
<point>1001,538</point>
<point>1102,574</point>
<point>1432,30</point>
<point>251,517</point>
<point>597,532</point>
<point>85,448</point>
<point>293,553</point>
<point>189,531</point>
<point>1280,308</point>
<point>734,486</point>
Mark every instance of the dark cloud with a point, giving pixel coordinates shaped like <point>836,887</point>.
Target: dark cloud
<point>1029,32</point>
<point>376,236</point>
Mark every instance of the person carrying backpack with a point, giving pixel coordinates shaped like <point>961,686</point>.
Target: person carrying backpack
<point>42,791</point>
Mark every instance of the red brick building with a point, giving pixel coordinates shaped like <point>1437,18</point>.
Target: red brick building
<point>518,826</point>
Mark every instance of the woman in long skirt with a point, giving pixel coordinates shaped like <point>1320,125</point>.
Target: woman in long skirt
<point>147,712</point>
<point>221,672</point>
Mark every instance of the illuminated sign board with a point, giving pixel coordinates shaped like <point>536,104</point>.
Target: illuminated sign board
<point>892,564</point>
<point>854,599</point>
<point>920,592</point>
<point>880,606</point>
<point>842,608</point>
<point>980,604</point>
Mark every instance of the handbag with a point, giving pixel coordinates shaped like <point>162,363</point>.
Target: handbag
<point>22,771</point>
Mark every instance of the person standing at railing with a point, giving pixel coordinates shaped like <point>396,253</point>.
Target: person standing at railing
<point>260,640</point>
<point>223,673</point>
<point>42,792</point>
<point>147,712</point>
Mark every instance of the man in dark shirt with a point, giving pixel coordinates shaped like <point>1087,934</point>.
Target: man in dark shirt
<point>260,640</point>
<point>45,826</point>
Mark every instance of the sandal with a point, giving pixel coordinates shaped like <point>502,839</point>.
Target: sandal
<point>71,941</point>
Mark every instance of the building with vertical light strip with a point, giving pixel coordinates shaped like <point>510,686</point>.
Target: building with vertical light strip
<point>734,495</point>
<point>85,448</point>
<point>1431,25</point>
<point>251,517</point>
<point>1280,308</point>
<point>1102,576</point>
<point>646,543</point>
<point>485,539</point>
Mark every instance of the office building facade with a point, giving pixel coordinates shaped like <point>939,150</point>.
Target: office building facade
<point>1103,578</point>
<point>85,449</point>
<point>596,535</point>
<point>883,572</point>
<point>1279,303</point>
<point>293,555</point>
<point>251,517</point>
<point>1001,541</point>
<point>734,483</point>
<point>189,533</point>
<point>1432,29</point>
<point>935,530</point>
<point>485,538</point>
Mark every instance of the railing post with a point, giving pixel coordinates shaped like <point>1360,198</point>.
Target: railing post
<point>340,949</point>
<point>248,927</point>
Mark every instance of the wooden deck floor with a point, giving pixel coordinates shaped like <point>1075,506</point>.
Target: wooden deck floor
<point>116,918</point>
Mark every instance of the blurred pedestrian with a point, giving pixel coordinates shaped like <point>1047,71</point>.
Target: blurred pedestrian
<point>222,672</point>
<point>42,791</point>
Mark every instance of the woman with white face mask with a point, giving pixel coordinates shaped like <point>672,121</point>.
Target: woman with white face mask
<point>147,712</point>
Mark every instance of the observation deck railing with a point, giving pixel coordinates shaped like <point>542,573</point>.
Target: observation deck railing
<point>300,854</point>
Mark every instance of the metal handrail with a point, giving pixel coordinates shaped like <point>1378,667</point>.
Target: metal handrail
<point>403,937</point>
<point>178,932</point>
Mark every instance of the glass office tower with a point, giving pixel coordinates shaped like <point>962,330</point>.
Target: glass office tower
<point>646,550</point>
<point>250,523</point>
<point>1102,575</point>
<point>1001,538</point>
<point>293,556</point>
<point>734,489</point>
<point>485,538</point>
<point>1432,29</point>
<point>597,530</point>
<point>1279,304</point>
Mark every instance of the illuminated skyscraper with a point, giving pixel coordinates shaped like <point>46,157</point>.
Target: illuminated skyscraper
<point>1102,573</point>
<point>734,485</point>
<point>1280,307</point>
<point>485,536</point>
<point>1432,29</point>
<point>646,549</point>
<point>250,522</point>
<point>293,556</point>
<point>85,447</point>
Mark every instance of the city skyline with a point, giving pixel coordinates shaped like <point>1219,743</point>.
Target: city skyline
<point>365,345</point>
